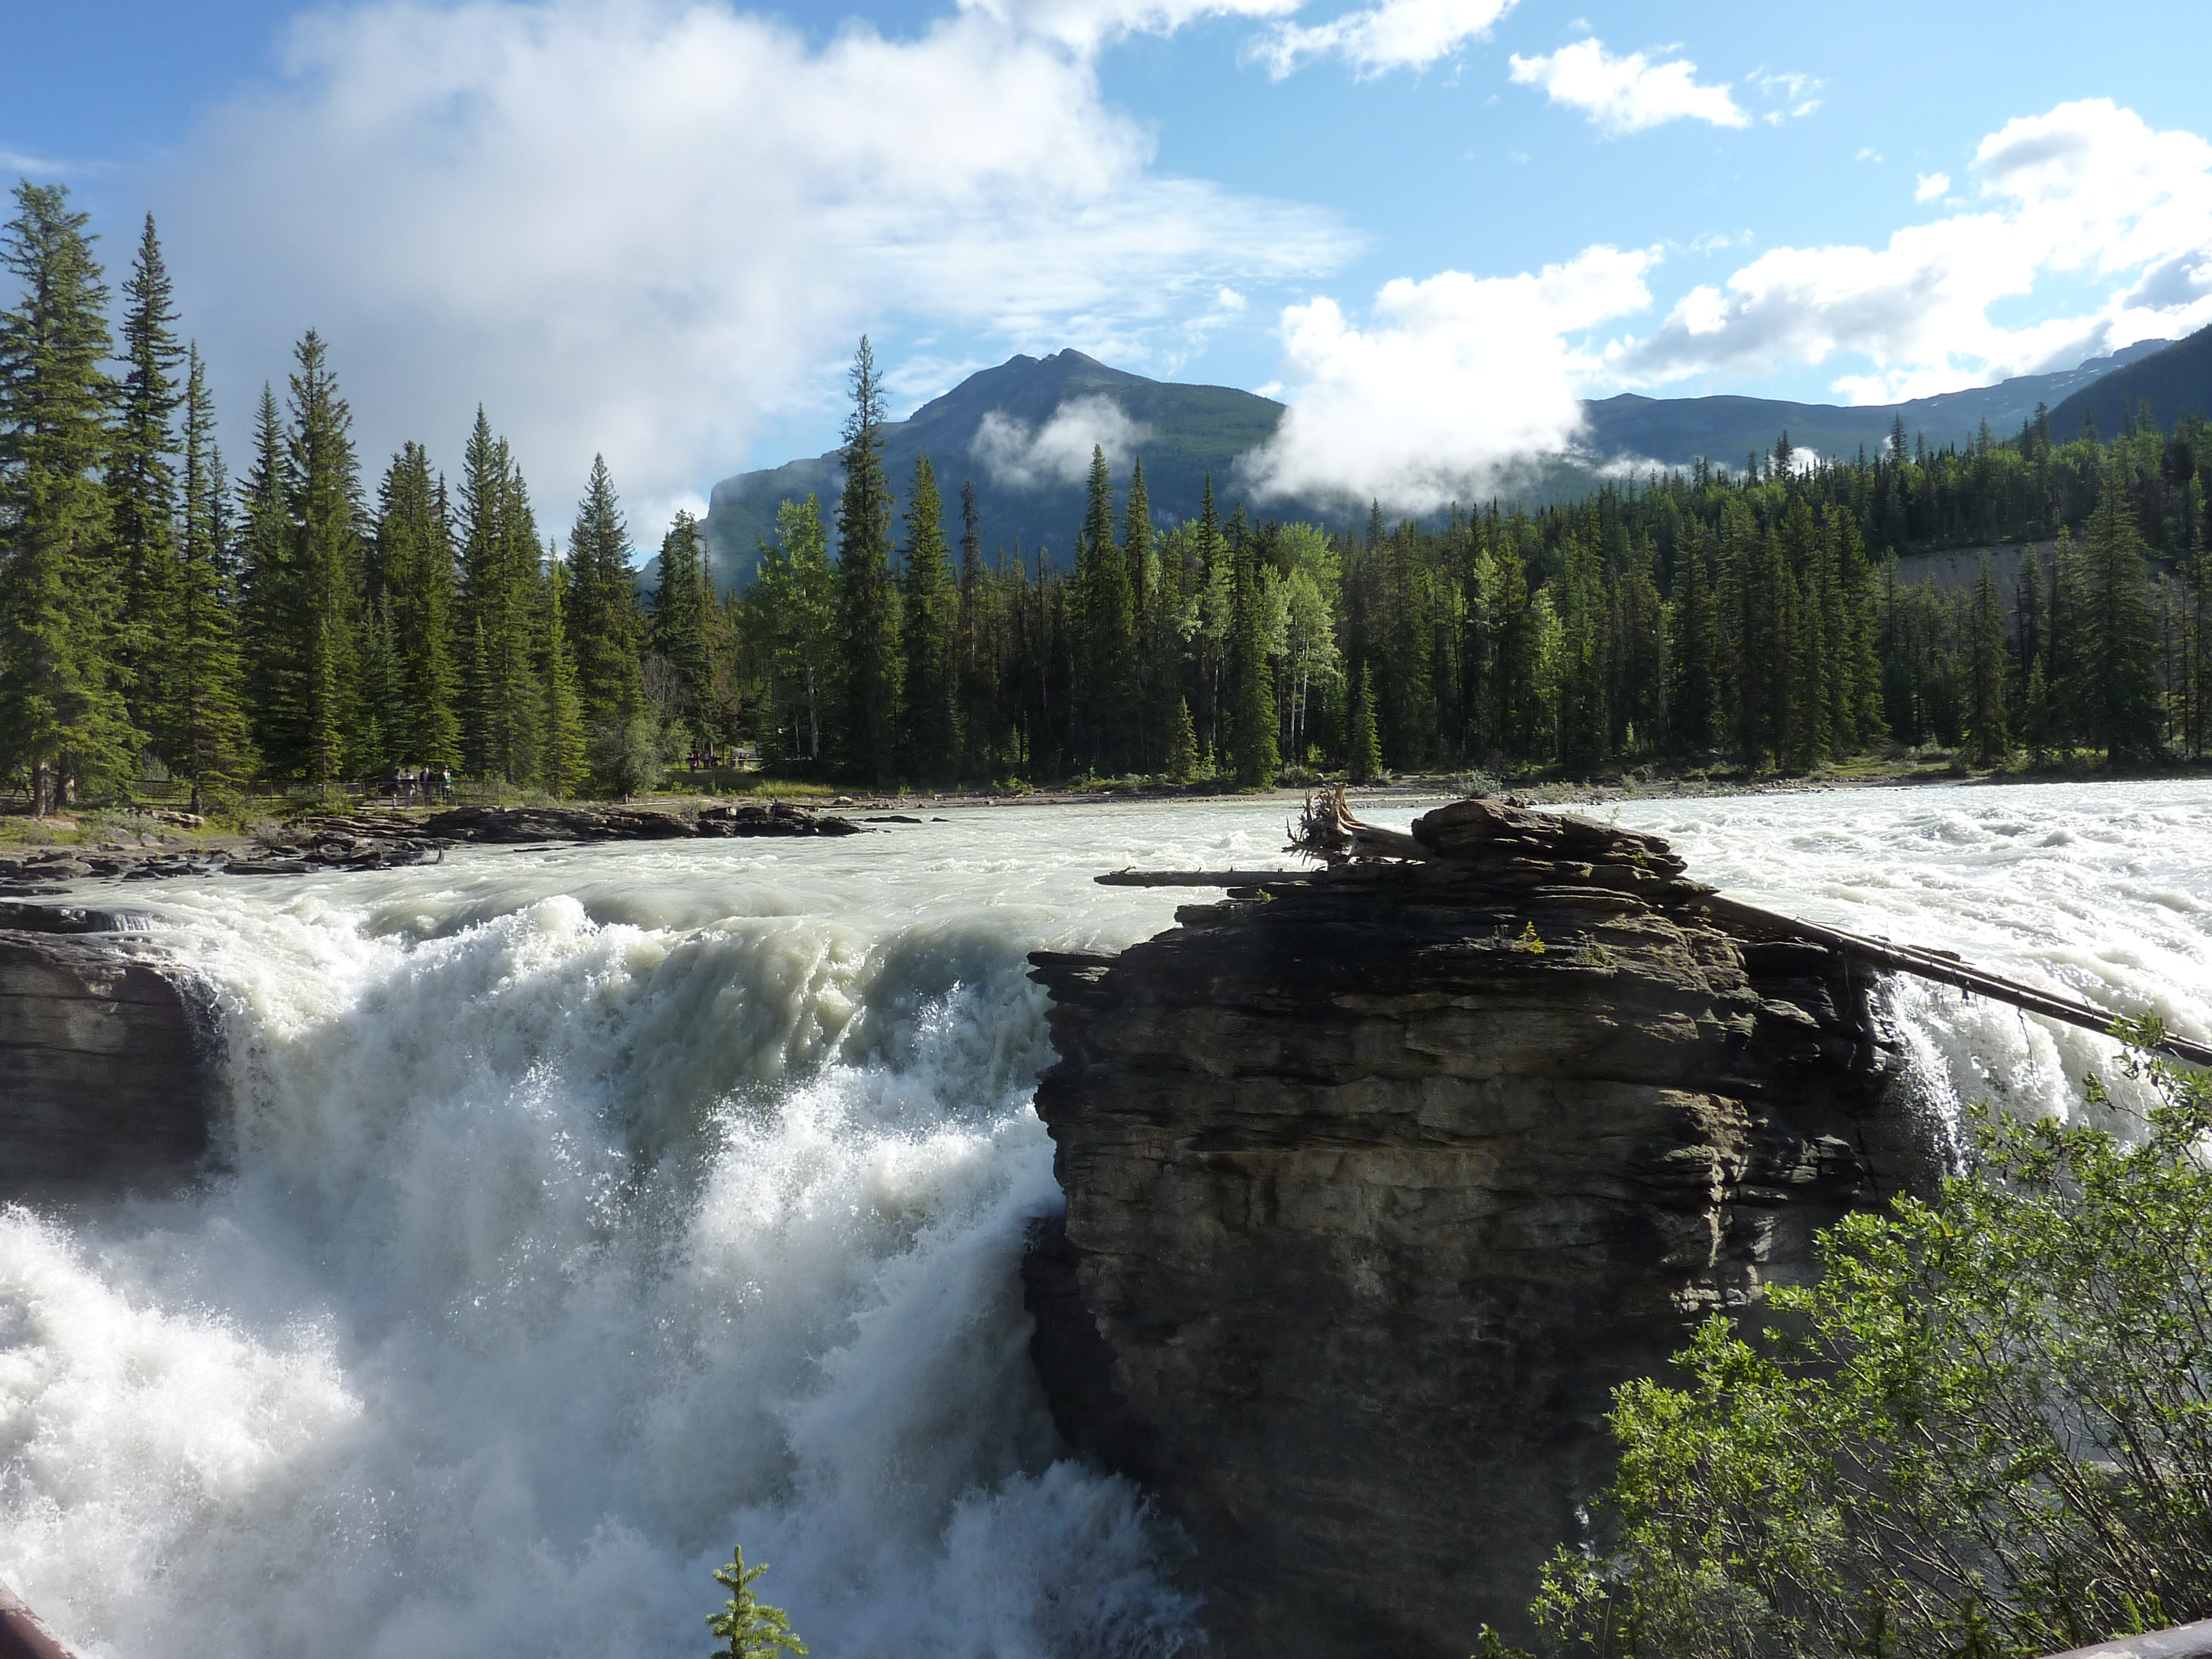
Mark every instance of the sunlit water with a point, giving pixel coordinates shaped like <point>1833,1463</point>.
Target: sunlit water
<point>591,1211</point>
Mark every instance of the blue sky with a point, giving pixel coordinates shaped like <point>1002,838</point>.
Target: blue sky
<point>654,228</point>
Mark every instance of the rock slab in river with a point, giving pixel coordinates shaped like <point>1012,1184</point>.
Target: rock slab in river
<point>1371,1205</point>
<point>103,1082</point>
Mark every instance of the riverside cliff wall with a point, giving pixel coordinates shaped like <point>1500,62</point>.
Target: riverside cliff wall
<point>1379,1184</point>
<point>104,1077</point>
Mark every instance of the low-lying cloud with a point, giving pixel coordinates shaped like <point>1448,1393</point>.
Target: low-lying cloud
<point>1454,380</point>
<point>649,227</point>
<point>1457,379</point>
<point>1024,457</point>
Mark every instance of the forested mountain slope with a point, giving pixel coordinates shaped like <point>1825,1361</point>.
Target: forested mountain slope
<point>2175,382</point>
<point>997,429</point>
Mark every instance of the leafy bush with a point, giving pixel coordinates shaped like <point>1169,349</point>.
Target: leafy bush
<point>1986,1431</point>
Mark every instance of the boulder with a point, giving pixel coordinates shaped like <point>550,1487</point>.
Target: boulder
<point>1380,1180</point>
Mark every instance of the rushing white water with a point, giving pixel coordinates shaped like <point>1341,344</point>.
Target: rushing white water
<point>590,1212</point>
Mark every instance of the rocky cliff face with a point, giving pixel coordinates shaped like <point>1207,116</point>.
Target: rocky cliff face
<point>103,1083</point>
<point>1379,1181</point>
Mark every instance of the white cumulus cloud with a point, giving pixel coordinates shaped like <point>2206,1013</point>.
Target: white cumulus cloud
<point>1627,94</point>
<point>1457,377</point>
<point>2088,188</point>
<point>649,227</point>
<point>1927,186</point>
<point>1087,25</point>
<point>1392,34</point>
<point>1058,452</point>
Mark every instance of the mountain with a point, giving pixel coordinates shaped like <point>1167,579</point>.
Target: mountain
<point>1022,433</point>
<point>2175,381</point>
<point>1678,431</point>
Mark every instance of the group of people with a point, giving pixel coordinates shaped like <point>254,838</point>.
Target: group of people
<point>436,783</point>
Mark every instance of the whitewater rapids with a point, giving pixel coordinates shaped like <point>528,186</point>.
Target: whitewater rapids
<point>590,1211</point>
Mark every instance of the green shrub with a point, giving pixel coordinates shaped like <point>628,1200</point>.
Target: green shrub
<point>1987,1430</point>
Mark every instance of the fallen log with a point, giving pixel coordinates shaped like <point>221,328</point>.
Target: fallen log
<point>1469,835</point>
<point>1944,970</point>
<point>22,1635</point>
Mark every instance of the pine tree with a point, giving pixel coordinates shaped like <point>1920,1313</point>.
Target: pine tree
<point>414,549</point>
<point>563,764</point>
<point>1182,744</point>
<point>325,509</point>
<point>1254,754</point>
<point>602,614</point>
<point>791,614</point>
<point>142,490</point>
<point>1696,706</point>
<point>2123,707</point>
<point>1106,686</point>
<point>868,602</point>
<point>378,728</point>
<point>1213,577</point>
<point>1986,717</point>
<point>1363,759</point>
<point>2036,720</point>
<point>679,629</point>
<point>978,680</point>
<point>753,1629</point>
<point>207,737</point>
<point>499,603</point>
<point>271,601</point>
<point>62,721</point>
<point>930,610</point>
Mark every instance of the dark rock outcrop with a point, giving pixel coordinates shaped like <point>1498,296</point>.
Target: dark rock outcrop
<point>514,825</point>
<point>1379,1181</point>
<point>104,1077</point>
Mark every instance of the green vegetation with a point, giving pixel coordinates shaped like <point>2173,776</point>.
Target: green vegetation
<point>157,625</point>
<point>1986,1431</point>
<point>751,1628</point>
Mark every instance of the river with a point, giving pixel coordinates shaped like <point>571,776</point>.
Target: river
<point>590,1211</point>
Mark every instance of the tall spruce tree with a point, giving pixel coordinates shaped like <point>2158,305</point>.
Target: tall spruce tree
<point>2121,648</point>
<point>867,601</point>
<point>499,606</point>
<point>270,600</point>
<point>142,490</point>
<point>63,722</point>
<point>602,615</point>
<point>561,760</point>
<point>930,614</point>
<point>792,615</point>
<point>1254,753</point>
<point>325,506</point>
<point>978,676</point>
<point>1106,688</point>
<point>680,603</point>
<point>207,736</point>
<point>415,559</point>
<point>1988,719</point>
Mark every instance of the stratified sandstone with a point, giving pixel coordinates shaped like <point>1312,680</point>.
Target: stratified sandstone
<point>1371,1202</point>
<point>103,1083</point>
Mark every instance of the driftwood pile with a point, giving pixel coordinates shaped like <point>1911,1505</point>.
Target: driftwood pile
<point>1503,850</point>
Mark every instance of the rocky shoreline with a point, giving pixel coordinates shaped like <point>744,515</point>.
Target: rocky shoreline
<point>373,840</point>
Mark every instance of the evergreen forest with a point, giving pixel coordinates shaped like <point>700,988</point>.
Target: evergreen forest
<point>306,623</point>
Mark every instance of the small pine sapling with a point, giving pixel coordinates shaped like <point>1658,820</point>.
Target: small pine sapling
<point>753,1629</point>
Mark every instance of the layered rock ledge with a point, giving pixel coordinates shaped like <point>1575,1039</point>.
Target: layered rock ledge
<point>1380,1180</point>
<point>105,1074</point>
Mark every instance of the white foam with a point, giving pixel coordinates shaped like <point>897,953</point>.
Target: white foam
<point>593,1211</point>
